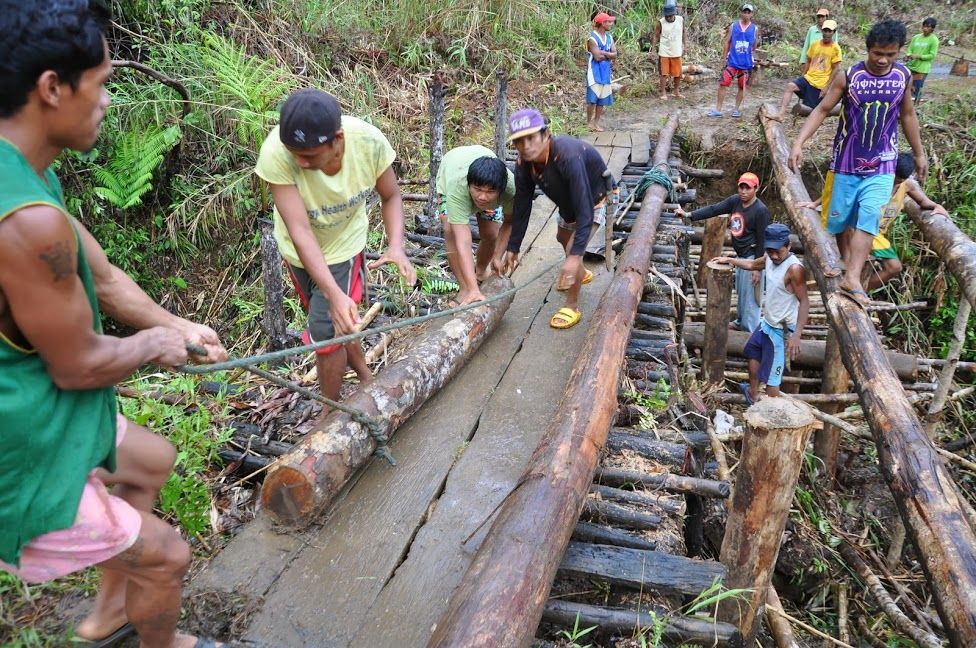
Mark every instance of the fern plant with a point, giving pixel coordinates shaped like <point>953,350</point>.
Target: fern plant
<point>132,161</point>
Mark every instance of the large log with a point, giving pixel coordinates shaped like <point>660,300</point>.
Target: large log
<point>500,598</point>
<point>953,247</point>
<point>717,311</point>
<point>826,441</point>
<point>931,506</point>
<point>303,482</point>
<point>776,436</point>
<point>812,352</point>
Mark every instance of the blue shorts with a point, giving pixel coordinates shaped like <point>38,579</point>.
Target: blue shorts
<point>809,95</point>
<point>591,98</point>
<point>858,202</point>
<point>766,344</point>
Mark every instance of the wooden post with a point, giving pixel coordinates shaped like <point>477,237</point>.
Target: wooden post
<point>713,239</point>
<point>501,115</point>
<point>500,599</point>
<point>718,306</point>
<point>934,414</point>
<point>835,379</point>
<point>273,319</point>
<point>436,91</point>
<point>303,482</point>
<point>934,511</point>
<point>776,435</point>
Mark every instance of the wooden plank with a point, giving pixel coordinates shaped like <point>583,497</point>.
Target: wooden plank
<point>509,430</point>
<point>621,139</point>
<point>604,151</point>
<point>640,148</point>
<point>641,569</point>
<point>589,138</point>
<point>604,139</point>
<point>617,161</point>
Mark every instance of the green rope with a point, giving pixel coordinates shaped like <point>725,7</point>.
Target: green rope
<point>657,174</point>
<point>373,426</point>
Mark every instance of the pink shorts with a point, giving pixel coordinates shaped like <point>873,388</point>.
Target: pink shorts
<point>105,526</point>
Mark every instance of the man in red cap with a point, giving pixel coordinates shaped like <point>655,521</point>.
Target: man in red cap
<point>322,166</point>
<point>600,51</point>
<point>748,218</point>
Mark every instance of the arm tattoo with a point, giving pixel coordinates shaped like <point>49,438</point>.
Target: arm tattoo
<point>59,260</point>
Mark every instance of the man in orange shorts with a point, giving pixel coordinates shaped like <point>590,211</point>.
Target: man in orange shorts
<point>669,36</point>
<point>63,442</point>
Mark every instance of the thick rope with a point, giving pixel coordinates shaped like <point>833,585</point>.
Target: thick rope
<point>657,174</point>
<point>374,426</point>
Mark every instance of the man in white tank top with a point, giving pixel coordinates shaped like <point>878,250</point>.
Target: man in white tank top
<point>784,312</point>
<point>669,36</point>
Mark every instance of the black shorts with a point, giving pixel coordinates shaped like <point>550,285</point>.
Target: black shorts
<point>351,277</point>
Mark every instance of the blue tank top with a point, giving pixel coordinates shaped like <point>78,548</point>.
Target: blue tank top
<point>740,49</point>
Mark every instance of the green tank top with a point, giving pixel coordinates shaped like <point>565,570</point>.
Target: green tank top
<point>50,438</point>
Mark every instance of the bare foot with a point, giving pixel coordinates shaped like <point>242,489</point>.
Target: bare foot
<point>599,129</point>
<point>664,97</point>
<point>464,299</point>
<point>678,95</point>
<point>780,117</point>
<point>107,617</point>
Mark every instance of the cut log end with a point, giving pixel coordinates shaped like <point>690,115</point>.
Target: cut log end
<point>287,496</point>
<point>781,414</point>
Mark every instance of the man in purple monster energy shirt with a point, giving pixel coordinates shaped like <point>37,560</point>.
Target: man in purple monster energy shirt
<point>875,100</point>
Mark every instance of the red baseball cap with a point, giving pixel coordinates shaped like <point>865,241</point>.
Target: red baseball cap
<point>603,17</point>
<point>748,178</point>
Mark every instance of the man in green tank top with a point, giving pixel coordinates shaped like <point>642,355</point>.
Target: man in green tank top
<point>62,442</point>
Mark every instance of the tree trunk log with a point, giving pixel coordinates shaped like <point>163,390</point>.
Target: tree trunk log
<point>602,512</point>
<point>501,114</point>
<point>677,629</point>
<point>772,455</point>
<point>273,319</point>
<point>303,482</point>
<point>827,441</point>
<point>957,250</point>
<point>692,172</point>
<point>604,535</point>
<point>500,599</point>
<point>713,240</point>
<point>812,352</point>
<point>664,481</point>
<point>935,513</point>
<point>436,92</point>
<point>717,311</point>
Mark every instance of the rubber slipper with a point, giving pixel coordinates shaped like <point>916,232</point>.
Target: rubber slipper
<point>736,113</point>
<point>587,278</point>
<point>859,296</point>
<point>744,388</point>
<point>565,318</point>
<point>121,633</point>
<point>715,113</point>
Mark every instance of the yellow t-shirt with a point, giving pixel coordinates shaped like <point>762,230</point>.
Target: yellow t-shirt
<point>822,59</point>
<point>336,205</point>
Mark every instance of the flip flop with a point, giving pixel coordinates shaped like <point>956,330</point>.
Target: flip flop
<point>860,297</point>
<point>744,388</point>
<point>121,633</point>
<point>736,113</point>
<point>565,318</point>
<point>715,113</point>
<point>587,278</point>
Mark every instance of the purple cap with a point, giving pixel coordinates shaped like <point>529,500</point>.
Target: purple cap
<point>525,122</point>
<point>309,118</point>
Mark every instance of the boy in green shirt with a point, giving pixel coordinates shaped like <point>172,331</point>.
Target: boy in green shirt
<point>322,166</point>
<point>472,181</point>
<point>919,55</point>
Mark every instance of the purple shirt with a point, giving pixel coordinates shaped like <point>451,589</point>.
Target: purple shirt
<point>867,135</point>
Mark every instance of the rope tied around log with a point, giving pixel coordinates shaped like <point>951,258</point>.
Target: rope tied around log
<point>374,426</point>
<point>657,174</point>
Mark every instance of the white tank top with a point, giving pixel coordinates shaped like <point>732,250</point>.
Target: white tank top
<point>671,41</point>
<point>779,304</point>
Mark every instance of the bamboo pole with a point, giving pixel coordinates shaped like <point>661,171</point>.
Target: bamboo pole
<point>717,311</point>
<point>500,599</point>
<point>304,481</point>
<point>769,467</point>
<point>934,512</point>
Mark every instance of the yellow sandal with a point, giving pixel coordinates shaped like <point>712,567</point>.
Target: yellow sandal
<point>565,318</point>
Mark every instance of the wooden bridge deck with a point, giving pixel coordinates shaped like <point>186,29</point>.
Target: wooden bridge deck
<point>381,567</point>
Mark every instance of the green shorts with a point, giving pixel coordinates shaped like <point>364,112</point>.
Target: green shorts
<point>885,253</point>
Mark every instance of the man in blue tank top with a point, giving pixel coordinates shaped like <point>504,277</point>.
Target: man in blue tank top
<point>740,43</point>
<point>875,100</point>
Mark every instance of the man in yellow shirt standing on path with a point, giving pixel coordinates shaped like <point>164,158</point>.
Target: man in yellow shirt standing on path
<point>322,166</point>
<point>822,58</point>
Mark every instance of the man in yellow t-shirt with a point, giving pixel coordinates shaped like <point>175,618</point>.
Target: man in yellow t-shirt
<point>322,166</point>
<point>822,59</point>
